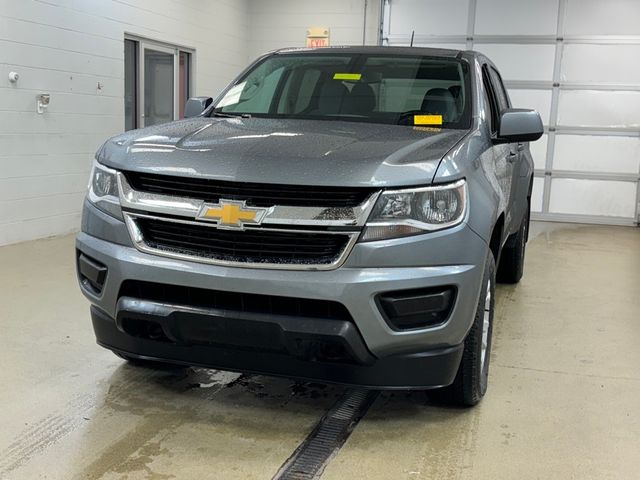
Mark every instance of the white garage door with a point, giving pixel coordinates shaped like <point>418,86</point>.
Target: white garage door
<point>577,63</point>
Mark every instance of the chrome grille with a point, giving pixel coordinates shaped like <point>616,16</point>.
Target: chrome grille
<point>257,247</point>
<point>248,246</point>
<point>256,194</point>
<point>301,237</point>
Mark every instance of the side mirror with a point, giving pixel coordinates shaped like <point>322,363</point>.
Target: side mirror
<point>520,125</point>
<point>196,105</point>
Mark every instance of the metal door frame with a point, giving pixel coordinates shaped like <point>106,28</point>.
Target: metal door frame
<point>143,43</point>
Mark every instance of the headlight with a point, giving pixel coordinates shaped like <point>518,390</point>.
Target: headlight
<point>399,213</point>
<point>103,189</point>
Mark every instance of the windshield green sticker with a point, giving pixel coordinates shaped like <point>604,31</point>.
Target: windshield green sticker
<point>347,76</point>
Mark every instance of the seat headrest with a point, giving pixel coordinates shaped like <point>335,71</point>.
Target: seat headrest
<point>332,96</point>
<point>361,100</point>
<point>440,101</point>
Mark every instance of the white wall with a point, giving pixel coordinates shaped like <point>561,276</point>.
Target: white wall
<point>283,23</point>
<point>65,47</point>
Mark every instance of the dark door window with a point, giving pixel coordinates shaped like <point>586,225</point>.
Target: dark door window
<point>492,100</point>
<point>498,87</point>
<point>184,82</point>
<point>130,85</point>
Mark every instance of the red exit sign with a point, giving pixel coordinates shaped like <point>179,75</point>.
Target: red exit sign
<point>317,42</point>
<point>317,37</point>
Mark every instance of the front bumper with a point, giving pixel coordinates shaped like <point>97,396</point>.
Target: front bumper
<point>418,370</point>
<point>418,358</point>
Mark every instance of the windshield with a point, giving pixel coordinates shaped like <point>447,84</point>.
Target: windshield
<point>398,90</point>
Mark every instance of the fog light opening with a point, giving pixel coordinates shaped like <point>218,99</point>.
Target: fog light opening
<point>417,308</point>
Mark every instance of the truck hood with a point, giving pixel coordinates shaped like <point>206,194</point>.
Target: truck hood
<point>301,152</point>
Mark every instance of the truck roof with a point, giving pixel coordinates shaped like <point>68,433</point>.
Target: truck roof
<point>436,52</point>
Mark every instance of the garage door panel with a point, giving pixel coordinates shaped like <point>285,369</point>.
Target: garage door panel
<point>539,152</point>
<point>428,17</point>
<point>525,18</point>
<point>591,153</point>
<point>590,104</point>
<point>593,197</point>
<point>602,17</point>
<point>609,64</point>
<point>591,108</point>
<point>521,62</point>
<point>536,194</point>
<point>539,100</point>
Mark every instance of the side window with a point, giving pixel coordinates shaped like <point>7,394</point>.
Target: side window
<point>491,100</point>
<point>498,85</point>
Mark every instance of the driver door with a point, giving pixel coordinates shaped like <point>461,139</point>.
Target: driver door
<point>506,155</point>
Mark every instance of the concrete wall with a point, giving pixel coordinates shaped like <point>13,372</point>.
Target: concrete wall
<point>283,23</point>
<point>65,48</point>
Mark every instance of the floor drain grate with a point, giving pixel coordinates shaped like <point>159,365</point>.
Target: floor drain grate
<point>311,457</point>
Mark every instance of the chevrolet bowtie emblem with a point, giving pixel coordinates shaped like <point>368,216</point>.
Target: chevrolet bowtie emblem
<point>232,214</point>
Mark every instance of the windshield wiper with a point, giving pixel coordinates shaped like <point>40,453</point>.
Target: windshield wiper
<point>230,115</point>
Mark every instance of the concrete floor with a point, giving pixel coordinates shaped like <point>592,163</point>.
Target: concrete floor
<point>563,399</point>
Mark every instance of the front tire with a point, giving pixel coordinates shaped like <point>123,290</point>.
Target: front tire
<point>470,383</point>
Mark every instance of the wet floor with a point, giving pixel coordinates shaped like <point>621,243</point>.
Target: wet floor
<point>563,399</point>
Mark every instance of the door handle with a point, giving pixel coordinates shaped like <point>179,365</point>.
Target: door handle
<point>520,147</point>
<point>511,157</point>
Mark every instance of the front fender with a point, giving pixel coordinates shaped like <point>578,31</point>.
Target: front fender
<point>472,159</point>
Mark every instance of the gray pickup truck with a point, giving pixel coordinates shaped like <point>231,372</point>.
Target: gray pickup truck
<point>339,214</point>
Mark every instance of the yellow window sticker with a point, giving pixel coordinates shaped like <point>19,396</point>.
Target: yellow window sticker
<point>427,119</point>
<point>347,76</point>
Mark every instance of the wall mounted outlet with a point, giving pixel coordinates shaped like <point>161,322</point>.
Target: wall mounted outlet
<point>42,102</point>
